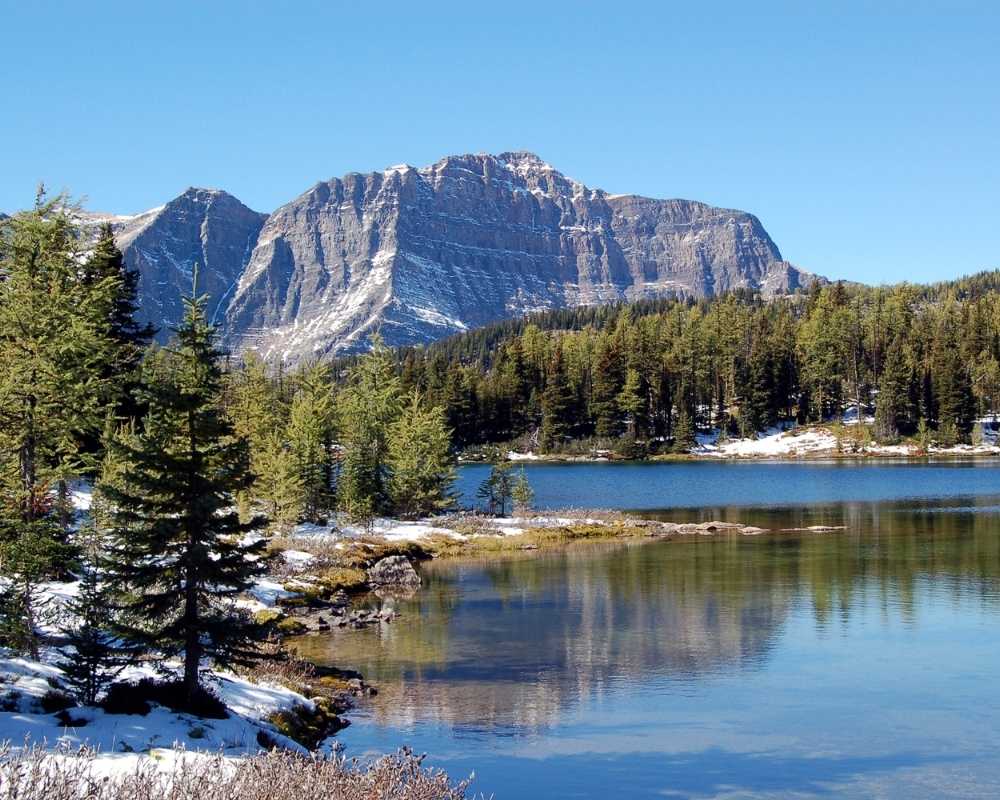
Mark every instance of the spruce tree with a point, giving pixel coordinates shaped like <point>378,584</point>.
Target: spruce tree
<point>54,348</point>
<point>606,386</point>
<point>521,493</point>
<point>422,467</point>
<point>129,337</point>
<point>557,403</point>
<point>496,491</point>
<point>684,434</point>
<point>178,546</point>
<point>632,403</point>
<point>893,412</point>
<point>95,656</point>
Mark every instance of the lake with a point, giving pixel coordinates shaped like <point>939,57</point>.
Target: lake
<point>862,663</point>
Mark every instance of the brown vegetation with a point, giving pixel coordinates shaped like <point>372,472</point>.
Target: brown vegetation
<point>34,774</point>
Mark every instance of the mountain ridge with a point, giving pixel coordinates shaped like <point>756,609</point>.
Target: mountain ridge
<point>418,253</point>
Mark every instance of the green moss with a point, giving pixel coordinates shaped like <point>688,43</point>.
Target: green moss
<point>308,727</point>
<point>346,579</point>
<point>268,616</point>
<point>291,627</point>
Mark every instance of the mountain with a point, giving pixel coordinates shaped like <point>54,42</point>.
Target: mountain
<point>418,254</point>
<point>206,227</point>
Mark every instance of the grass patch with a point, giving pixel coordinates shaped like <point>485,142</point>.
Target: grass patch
<point>531,539</point>
<point>342,579</point>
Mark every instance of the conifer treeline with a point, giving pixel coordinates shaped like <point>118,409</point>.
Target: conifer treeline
<point>190,460</point>
<point>656,371</point>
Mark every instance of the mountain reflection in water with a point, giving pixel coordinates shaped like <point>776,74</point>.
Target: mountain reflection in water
<point>853,664</point>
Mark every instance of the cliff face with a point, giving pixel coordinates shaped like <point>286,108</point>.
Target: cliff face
<point>422,253</point>
<point>418,254</point>
<point>205,227</point>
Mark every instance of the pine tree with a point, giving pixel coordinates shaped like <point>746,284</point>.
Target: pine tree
<point>684,435</point>
<point>129,338</point>
<point>54,348</point>
<point>422,467</point>
<point>367,408</point>
<point>521,493</point>
<point>893,414</point>
<point>632,403</point>
<point>96,656</point>
<point>952,388</point>
<point>606,386</point>
<point>496,491</point>
<point>557,403</point>
<point>178,546</point>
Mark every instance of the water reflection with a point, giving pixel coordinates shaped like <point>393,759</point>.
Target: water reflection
<point>510,647</point>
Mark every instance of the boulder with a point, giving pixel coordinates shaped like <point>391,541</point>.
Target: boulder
<point>393,571</point>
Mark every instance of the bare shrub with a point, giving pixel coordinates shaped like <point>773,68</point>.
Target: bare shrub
<point>34,774</point>
<point>281,667</point>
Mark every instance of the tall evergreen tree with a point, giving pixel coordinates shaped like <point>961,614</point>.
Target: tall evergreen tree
<point>278,482</point>
<point>178,545</point>
<point>684,432</point>
<point>310,436</point>
<point>606,386</point>
<point>366,408</point>
<point>557,402</point>
<point>893,409</point>
<point>129,337</point>
<point>95,656</point>
<point>422,468</point>
<point>632,403</point>
<point>54,348</point>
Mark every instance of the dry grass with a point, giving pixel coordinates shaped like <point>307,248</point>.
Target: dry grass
<point>322,547</point>
<point>34,774</point>
<point>281,668</point>
<point>531,539</point>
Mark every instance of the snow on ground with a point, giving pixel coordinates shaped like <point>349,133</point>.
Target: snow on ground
<point>773,442</point>
<point>23,684</point>
<point>392,530</point>
<point>267,593</point>
<point>794,441</point>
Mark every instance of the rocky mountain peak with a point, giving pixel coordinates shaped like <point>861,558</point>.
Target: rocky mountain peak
<point>418,253</point>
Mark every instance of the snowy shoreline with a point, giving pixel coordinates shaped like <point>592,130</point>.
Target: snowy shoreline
<point>792,443</point>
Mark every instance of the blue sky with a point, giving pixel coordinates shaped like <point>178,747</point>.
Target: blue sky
<point>865,136</point>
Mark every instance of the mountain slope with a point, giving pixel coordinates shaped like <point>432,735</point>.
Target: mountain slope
<point>418,254</point>
<point>206,227</point>
<point>422,253</point>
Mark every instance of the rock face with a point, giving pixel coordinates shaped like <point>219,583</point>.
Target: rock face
<point>418,254</point>
<point>422,253</point>
<point>206,227</point>
<point>393,571</point>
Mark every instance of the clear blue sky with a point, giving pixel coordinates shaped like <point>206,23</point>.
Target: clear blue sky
<point>867,141</point>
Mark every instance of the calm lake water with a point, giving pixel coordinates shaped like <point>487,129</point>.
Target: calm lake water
<point>863,663</point>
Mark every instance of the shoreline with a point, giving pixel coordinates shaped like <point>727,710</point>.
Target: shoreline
<point>828,441</point>
<point>527,459</point>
